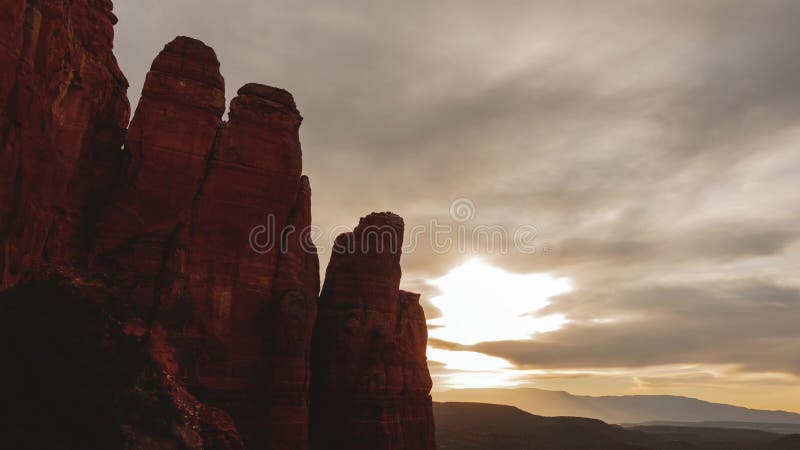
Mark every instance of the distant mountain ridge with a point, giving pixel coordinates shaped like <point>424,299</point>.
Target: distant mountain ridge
<point>779,428</point>
<point>618,409</point>
<point>479,426</point>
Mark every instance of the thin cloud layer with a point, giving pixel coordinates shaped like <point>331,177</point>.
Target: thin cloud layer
<point>653,145</point>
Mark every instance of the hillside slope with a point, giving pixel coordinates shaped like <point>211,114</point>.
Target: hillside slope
<point>479,426</point>
<point>619,409</point>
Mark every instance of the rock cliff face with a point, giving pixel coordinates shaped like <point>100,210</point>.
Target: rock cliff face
<point>236,315</point>
<point>196,231</point>
<point>144,231</point>
<point>371,384</point>
<point>64,115</point>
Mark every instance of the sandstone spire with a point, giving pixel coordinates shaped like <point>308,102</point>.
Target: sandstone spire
<point>370,385</point>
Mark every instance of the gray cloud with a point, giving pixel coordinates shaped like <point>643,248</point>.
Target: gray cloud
<point>751,323</point>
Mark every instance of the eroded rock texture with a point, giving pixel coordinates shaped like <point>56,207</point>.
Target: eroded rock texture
<point>64,115</point>
<point>254,289</point>
<point>142,236</point>
<point>235,313</point>
<point>187,249</point>
<point>371,384</point>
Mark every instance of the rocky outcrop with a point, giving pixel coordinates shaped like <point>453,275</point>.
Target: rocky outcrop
<point>143,235</point>
<point>236,313</point>
<point>195,236</point>
<point>253,280</point>
<point>61,129</point>
<point>371,385</point>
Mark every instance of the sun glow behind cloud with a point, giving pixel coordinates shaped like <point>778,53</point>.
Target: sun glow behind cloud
<point>481,303</point>
<point>465,369</point>
<point>469,361</point>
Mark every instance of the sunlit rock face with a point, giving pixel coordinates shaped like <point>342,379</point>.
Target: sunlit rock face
<point>154,236</point>
<point>371,384</point>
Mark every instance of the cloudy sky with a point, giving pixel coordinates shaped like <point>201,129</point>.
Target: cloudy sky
<point>647,149</point>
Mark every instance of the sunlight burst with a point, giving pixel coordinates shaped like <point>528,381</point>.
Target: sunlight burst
<point>470,361</point>
<point>481,303</point>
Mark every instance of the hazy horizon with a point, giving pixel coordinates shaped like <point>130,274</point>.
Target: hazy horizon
<point>649,146</point>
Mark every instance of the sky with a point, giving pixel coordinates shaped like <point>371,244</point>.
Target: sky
<point>617,180</point>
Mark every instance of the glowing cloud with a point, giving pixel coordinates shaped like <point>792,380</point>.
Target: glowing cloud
<point>481,303</point>
<point>470,361</point>
<point>464,369</point>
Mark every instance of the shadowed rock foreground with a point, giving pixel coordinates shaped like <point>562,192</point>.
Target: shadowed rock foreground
<point>129,271</point>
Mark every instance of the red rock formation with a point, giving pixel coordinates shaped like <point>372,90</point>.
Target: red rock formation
<point>253,180</point>
<point>198,228</point>
<point>177,234</point>
<point>63,121</point>
<point>288,326</point>
<point>416,410</point>
<point>256,291</point>
<point>142,237</point>
<point>371,385</point>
